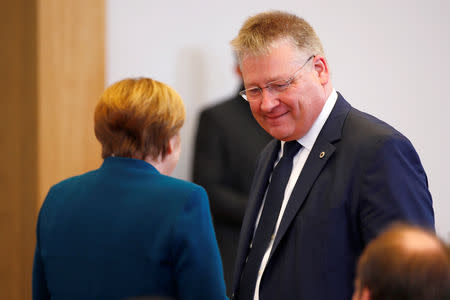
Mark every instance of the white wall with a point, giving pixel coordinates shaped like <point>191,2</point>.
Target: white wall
<point>389,58</point>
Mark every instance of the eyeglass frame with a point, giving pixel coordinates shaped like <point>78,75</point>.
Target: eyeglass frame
<point>282,87</point>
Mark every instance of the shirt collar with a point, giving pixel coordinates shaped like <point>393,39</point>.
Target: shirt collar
<point>308,140</point>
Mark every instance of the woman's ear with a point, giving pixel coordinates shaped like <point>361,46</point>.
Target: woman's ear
<point>173,144</point>
<point>170,146</point>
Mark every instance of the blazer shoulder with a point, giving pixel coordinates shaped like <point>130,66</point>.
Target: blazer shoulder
<point>179,191</point>
<point>368,137</point>
<point>182,185</point>
<point>364,126</point>
<point>72,182</point>
<point>352,124</point>
<point>56,196</point>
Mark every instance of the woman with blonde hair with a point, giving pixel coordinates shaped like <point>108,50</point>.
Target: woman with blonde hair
<point>128,229</point>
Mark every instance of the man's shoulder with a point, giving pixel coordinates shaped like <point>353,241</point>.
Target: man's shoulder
<point>362,123</point>
<point>365,134</point>
<point>361,129</point>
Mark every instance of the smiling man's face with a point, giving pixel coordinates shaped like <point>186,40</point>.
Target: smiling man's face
<point>287,115</point>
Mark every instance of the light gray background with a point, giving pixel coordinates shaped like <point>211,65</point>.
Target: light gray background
<point>389,58</point>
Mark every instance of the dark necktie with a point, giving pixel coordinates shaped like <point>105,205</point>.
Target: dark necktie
<point>267,221</point>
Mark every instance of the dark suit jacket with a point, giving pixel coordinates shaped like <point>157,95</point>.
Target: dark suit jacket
<point>124,231</point>
<point>227,146</point>
<point>370,175</point>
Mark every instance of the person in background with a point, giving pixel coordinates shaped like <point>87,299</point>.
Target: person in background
<point>332,179</point>
<point>404,263</point>
<point>227,145</point>
<point>128,229</point>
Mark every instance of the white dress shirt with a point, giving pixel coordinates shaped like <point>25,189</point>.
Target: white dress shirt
<point>307,141</point>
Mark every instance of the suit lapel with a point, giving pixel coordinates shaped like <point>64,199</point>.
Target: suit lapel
<point>321,152</point>
<point>259,185</point>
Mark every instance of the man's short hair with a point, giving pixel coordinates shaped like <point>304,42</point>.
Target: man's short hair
<point>262,31</point>
<point>137,117</point>
<point>405,263</point>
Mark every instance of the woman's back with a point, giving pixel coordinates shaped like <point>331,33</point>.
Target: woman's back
<point>124,231</point>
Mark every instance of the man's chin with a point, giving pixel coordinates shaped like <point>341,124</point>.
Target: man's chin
<point>279,133</point>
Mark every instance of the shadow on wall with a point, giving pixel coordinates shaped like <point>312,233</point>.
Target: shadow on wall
<point>191,83</point>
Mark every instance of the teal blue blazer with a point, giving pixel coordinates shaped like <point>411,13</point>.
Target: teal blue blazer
<point>125,231</point>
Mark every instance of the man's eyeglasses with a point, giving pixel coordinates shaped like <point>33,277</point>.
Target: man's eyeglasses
<point>277,86</point>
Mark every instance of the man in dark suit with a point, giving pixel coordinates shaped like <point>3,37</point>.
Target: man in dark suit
<point>330,182</point>
<point>227,146</point>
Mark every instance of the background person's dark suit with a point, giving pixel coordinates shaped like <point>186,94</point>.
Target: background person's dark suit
<point>125,230</point>
<point>369,176</point>
<point>227,146</point>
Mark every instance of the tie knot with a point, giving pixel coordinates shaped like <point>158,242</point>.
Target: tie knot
<point>291,148</point>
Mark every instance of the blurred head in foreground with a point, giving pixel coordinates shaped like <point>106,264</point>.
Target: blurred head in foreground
<point>404,263</point>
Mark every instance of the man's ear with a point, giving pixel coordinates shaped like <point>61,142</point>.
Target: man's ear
<point>237,71</point>
<point>321,67</point>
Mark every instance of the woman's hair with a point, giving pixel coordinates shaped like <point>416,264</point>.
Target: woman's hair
<point>137,117</point>
<point>262,31</point>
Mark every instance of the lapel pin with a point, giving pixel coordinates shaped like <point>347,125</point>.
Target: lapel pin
<point>322,154</point>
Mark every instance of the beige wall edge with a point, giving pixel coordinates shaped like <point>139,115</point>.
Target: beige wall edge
<point>52,73</point>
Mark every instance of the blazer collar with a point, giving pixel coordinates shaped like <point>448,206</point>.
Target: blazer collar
<point>332,129</point>
<point>261,178</point>
<point>322,150</point>
<point>125,163</point>
<point>260,182</point>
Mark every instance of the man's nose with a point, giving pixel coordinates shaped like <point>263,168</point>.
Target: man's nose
<point>268,99</point>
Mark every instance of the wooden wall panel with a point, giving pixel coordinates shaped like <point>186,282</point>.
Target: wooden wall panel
<point>18,147</point>
<point>71,78</point>
<point>51,74</point>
